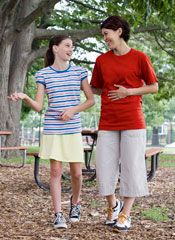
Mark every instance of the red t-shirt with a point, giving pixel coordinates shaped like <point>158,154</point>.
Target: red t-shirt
<point>130,70</point>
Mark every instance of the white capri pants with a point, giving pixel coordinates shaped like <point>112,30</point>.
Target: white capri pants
<point>128,148</point>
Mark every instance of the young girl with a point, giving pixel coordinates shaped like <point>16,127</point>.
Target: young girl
<point>121,76</point>
<point>61,140</point>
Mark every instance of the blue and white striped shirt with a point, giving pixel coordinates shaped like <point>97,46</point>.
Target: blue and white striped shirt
<point>63,92</point>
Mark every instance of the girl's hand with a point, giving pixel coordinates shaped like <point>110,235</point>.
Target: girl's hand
<point>17,96</point>
<point>67,114</point>
<point>120,93</point>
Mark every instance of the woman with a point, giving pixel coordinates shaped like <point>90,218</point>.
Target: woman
<point>121,76</point>
<point>61,140</point>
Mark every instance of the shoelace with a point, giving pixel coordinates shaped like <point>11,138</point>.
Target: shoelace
<point>121,219</point>
<point>59,218</point>
<point>75,210</point>
<point>108,213</point>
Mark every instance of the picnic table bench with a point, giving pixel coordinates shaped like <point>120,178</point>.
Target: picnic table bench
<point>88,151</point>
<point>152,152</point>
<point>24,149</point>
<point>91,177</point>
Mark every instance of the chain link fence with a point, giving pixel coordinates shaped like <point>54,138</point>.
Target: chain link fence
<point>161,136</point>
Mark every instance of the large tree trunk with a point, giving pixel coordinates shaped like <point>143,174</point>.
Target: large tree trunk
<point>5,52</point>
<point>18,71</point>
<point>14,65</point>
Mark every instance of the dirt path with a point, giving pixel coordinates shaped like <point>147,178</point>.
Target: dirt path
<point>26,210</point>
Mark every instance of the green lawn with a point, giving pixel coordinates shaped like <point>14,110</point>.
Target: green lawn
<point>156,214</point>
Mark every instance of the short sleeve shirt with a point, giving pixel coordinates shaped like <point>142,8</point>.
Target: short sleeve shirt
<point>130,70</point>
<point>63,92</point>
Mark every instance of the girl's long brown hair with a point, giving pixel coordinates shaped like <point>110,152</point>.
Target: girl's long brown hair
<point>49,57</point>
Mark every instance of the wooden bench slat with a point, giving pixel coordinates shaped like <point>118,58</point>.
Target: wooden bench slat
<point>148,152</point>
<point>87,149</point>
<point>35,154</point>
<point>13,148</point>
<point>152,151</point>
<point>5,133</point>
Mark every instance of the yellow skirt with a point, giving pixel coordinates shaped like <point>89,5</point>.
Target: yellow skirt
<point>63,148</point>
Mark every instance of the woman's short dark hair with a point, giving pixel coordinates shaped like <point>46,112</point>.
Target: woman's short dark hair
<point>115,22</point>
<point>56,40</point>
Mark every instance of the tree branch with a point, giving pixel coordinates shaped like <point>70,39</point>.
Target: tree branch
<point>150,29</point>
<point>7,6</point>
<point>82,20</point>
<point>89,49</point>
<point>43,21</point>
<point>76,35</point>
<point>88,6</point>
<point>86,20</point>
<point>43,7</point>
<point>75,60</point>
<point>168,52</point>
<point>39,53</point>
<point>167,40</point>
<point>165,79</point>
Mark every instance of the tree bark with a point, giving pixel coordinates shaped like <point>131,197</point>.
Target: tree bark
<point>155,137</point>
<point>14,65</point>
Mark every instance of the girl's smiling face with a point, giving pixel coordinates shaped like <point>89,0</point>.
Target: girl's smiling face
<point>64,50</point>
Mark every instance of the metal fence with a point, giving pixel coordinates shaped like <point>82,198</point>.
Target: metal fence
<point>31,136</point>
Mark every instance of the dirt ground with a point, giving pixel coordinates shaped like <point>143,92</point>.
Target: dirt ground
<point>26,210</point>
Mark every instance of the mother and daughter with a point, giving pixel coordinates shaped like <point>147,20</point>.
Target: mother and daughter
<point>120,76</point>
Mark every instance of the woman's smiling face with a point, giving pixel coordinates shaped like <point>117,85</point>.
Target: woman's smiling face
<point>111,37</point>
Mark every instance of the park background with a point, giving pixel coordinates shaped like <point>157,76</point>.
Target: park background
<point>26,27</point>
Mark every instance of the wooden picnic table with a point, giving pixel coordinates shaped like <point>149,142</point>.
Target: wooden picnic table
<point>152,152</point>
<point>93,134</point>
<point>24,149</point>
<point>88,157</point>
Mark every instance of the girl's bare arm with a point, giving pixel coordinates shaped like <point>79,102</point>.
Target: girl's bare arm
<point>36,104</point>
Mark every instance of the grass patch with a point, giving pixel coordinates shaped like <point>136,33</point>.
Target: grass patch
<point>136,207</point>
<point>29,159</point>
<point>166,161</point>
<point>33,149</point>
<point>156,214</point>
<point>92,183</point>
<point>96,204</point>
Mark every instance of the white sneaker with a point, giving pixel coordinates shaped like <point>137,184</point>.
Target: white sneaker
<point>60,221</point>
<point>122,224</point>
<point>112,213</point>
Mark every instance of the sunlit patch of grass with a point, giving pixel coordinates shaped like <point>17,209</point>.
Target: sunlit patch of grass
<point>33,149</point>
<point>156,214</point>
<point>135,207</point>
<point>166,161</point>
<point>92,183</point>
<point>96,204</point>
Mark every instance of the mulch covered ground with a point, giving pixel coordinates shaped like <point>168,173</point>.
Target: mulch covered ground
<point>26,210</point>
